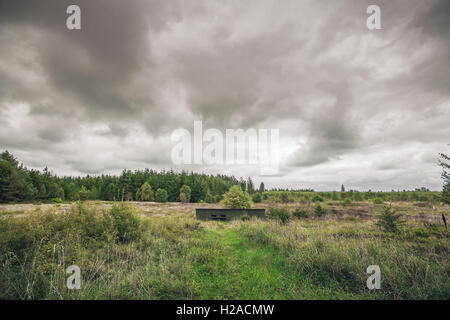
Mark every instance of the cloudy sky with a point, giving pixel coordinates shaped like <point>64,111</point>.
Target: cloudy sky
<point>366,108</point>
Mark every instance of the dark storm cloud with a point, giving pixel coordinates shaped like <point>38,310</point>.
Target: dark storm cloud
<point>434,23</point>
<point>96,64</point>
<point>434,20</point>
<point>332,131</point>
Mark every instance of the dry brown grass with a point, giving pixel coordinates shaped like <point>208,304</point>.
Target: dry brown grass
<point>417,211</point>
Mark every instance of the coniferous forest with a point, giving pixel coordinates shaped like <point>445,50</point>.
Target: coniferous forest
<point>19,184</point>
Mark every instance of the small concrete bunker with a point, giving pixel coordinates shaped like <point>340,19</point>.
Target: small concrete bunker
<point>228,214</point>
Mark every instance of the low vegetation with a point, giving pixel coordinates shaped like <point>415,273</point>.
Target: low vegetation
<point>300,213</point>
<point>280,214</point>
<point>124,254</point>
<point>319,211</point>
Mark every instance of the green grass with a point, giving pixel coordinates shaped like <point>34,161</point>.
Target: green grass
<point>243,270</point>
<point>125,256</point>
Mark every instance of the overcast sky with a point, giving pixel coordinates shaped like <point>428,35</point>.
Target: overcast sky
<point>366,108</point>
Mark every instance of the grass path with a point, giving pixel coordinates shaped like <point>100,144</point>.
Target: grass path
<point>243,269</point>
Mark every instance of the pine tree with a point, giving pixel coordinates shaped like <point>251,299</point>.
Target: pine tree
<point>161,195</point>
<point>15,182</point>
<point>261,187</point>
<point>146,192</point>
<point>444,162</point>
<point>84,193</point>
<point>250,186</point>
<point>389,220</point>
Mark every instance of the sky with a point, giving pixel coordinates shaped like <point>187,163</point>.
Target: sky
<point>369,109</point>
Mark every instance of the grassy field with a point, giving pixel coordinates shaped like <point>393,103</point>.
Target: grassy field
<point>160,251</point>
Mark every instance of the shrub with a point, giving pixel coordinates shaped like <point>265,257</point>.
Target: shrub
<point>347,202</point>
<point>335,196</point>
<point>284,197</point>
<point>183,198</point>
<point>245,217</point>
<point>280,214</point>
<point>125,221</point>
<point>319,211</point>
<point>185,194</point>
<point>300,213</point>
<point>317,198</point>
<point>236,198</point>
<point>257,197</point>
<point>377,201</point>
<point>161,195</point>
<point>389,220</point>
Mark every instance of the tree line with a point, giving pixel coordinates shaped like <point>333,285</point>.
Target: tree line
<point>19,184</point>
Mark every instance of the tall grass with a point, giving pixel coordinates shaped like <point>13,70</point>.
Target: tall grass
<point>124,255</point>
<point>120,254</point>
<point>334,255</point>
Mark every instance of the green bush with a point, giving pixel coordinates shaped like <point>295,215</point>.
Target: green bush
<point>389,220</point>
<point>319,211</point>
<point>317,198</point>
<point>335,196</point>
<point>245,217</point>
<point>125,221</point>
<point>300,213</point>
<point>161,195</point>
<point>378,201</point>
<point>280,214</point>
<point>284,197</point>
<point>257,197</point>
<point>236,198</point>
<point>185,194</point>
<point>347,202</point>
